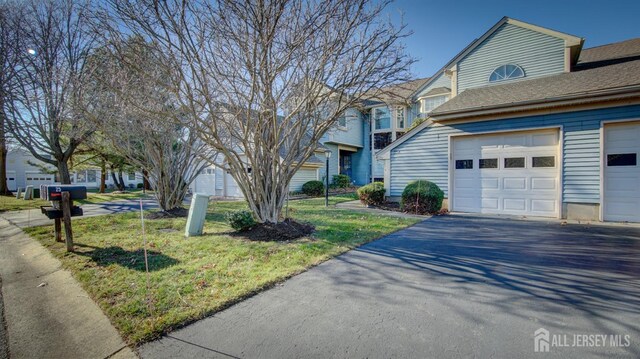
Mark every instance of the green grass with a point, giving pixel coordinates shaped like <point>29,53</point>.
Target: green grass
<point>10,203</point>
<point>195,277</point>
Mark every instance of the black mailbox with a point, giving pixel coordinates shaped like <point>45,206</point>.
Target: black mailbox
<point>54,192</point>
<point>55,213</point>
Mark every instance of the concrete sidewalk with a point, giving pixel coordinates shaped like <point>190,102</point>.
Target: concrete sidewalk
<point>48,314</point>
<point>34,218</point>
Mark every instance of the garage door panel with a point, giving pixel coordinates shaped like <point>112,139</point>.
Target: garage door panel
<point>521,189</point>
<point>490,183</point>
<point>490,203</point>
<point>543,183</point>
<point>514,183</point>
<point>515,204</point>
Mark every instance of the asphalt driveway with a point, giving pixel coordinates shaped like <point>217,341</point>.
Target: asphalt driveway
<point>449,287</point>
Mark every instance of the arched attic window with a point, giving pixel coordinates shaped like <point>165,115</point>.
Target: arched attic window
<point>506,72</point>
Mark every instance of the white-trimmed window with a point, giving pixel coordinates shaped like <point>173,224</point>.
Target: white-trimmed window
<point>400,117</point>
<point>428,104</point>
<point>506,72</point>
<point>381,118</point>
<point>132,176</point>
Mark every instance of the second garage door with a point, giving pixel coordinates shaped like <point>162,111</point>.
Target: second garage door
<point>622,172</point>
<point>510,173</point>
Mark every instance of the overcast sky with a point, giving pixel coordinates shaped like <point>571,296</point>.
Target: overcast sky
<point>442,28</point>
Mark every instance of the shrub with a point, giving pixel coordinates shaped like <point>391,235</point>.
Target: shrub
<point>422,197</point>
<point>139,185</point>
<point>313,188</point>
<point>372,194</point>
<point>341,181</point>
<point>240,220</point>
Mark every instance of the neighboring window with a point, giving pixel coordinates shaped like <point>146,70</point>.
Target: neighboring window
<point>464,164</point>
<point>381,140</point>
<point>514,162</point>
<point>428,104</point>
<point>400,117</point>
<point>488,163</point>
<point>132,176</point>
<point>506,72</point>
<point>203,172</point>
<point>378,179</point>
<point>621,159</point>
<point>91,176</point>
<point>545,161</point>
<point>81,177</point>
<point>382,118</point>
<point>342,121</point>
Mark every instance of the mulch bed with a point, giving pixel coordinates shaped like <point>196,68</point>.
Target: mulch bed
<point>286,230</point>
<point>172,213</point>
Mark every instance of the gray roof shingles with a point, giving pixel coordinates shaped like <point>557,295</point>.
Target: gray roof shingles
<point>601,68</point>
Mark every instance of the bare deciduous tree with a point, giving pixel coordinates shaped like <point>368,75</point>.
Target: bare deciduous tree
<point>44,115</point>
<point>262,81</point>
<point>10,15</point>
<point>142,121</point>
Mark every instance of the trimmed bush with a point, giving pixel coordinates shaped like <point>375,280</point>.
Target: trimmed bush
<point>139,185</point>
<point>313,188</point>
<point>341,181</point>
<point>240,220</point>
<point>372,194</point>
<point>422,197</point>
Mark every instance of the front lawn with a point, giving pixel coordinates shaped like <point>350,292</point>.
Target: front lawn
<point>195,277</point>
<point>10,203</point>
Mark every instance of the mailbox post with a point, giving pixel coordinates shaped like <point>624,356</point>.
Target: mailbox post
<point>62,208</point>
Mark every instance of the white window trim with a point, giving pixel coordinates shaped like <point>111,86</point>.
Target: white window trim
<point>404,116</point>
<point>422,102</point>
<point>373,118</point>
<point>524,74</point>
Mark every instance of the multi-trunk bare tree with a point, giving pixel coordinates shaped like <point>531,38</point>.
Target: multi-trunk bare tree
<point>139,119</point>
<point>43,112</point>
<point>11,13</point>
<point>262,81</point>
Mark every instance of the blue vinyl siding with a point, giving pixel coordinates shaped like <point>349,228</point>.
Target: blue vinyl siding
<point>361,160</point>
<point>441,80</point>
<point>425,155</point>
<point>351,135</point>
<point>536,53</point>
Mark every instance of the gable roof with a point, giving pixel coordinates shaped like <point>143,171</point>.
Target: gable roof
<point>574,42</point>
<point>602,70</point>
<point>608,70</point>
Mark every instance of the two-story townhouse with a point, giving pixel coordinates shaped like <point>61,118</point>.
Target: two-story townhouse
<point>525,121</point>
<point>361,132</point>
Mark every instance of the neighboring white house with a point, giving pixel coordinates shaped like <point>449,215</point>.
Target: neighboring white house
<point>24,170</point>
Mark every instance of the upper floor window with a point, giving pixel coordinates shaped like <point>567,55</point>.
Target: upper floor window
<point>506,72</point>
<point>342,121</point>
<point>427,104</point>
<point>400,117</point>
<point>381,118</point>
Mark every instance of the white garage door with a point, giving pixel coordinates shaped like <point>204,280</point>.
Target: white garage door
<point>509,173</point>
<point>35,179</point>
<point>301,177</point>
<point>621,172</point>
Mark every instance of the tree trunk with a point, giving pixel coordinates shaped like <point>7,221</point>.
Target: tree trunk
<point>114,179</point>
<point>103,176</point>
<point>121,184</point>
<point>4,188</point>
<point>63,171</point>
<point>145,180</point>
